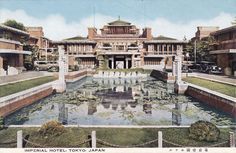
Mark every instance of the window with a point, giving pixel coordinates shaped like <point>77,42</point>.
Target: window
<point>120,47</point>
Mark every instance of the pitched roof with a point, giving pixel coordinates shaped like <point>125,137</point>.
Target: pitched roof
<point>84,41</point>
<point>76,38</point>
<point>2,26</point>
<point>163,38</point>
<point>119,23</point>
<point>231,28</point>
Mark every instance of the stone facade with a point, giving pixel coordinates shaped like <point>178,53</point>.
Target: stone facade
<point>121,46</point>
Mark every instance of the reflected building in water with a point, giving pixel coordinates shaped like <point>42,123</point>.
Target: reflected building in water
<point>118,93</point>
<point>63,113</point>
<point>176,114</point>
<point>92,108</point>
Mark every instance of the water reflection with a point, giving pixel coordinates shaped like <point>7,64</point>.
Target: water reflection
<point>119,102</point>
<point>63,113</point>
<point>176,115</point>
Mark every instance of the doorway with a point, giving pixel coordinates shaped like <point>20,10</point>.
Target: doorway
<point>5,63</point>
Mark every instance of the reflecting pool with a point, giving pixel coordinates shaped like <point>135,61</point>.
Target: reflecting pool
<point>132,101</point>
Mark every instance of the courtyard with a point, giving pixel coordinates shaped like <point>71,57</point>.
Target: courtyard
<point>105,75</point>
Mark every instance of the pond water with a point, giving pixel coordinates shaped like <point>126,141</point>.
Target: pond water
<point>93,101</point>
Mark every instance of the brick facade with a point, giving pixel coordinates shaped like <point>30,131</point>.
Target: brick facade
<point>213,100</point>
<point>14,106</point>
<point>224,49</point>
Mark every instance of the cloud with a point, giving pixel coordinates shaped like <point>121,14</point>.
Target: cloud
<point>56,27</point>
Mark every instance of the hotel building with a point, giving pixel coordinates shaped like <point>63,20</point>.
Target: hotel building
<point>225,49</point>
<point>120,45</point>
<point>44,45</point>
<point>11,50</point>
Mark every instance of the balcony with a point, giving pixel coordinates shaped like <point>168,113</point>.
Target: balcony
<point>10,44</point>
<point>159,53</point>
<point>133,47</point>
<point>82,54</point>
<point>105,47</point>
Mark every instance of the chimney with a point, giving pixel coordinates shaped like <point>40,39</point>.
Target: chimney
<point>147,33</point>
<point>92,32</point>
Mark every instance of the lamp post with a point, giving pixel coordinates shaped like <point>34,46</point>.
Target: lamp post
<point>195,51</point>
<point>187,56</point>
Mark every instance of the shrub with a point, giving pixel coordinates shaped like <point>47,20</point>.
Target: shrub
<point>52,128</point>
<point>1,122</point>
<point>73,67</point>
<point>204,131</point>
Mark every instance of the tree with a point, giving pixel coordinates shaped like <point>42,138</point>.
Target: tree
<point>34,53</point>
<point>203,48</point>
<point>15,24</point>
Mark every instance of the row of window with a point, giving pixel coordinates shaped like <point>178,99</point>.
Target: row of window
<point>151,62</point>
<point>164,47</point>
<point>79,48</point>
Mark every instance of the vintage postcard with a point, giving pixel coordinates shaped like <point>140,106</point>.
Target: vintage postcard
<point>133,76</point>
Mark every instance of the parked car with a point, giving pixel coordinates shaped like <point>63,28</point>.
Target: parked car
<point>210,67</point>
<point>186,69</point>
<point>214,70</point>
<point>44,65</point>
<point>195,68</point>
<point>28,66</point>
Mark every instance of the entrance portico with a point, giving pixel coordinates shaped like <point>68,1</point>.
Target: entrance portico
<point>120,62</point>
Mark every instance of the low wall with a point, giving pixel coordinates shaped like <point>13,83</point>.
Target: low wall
<point>215,99</point>
<point>119,74</point>
<point>77,75</point>
<point>14,102</point>
<point>164,76</point>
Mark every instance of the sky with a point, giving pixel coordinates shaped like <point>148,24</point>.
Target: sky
<point>68,18</point>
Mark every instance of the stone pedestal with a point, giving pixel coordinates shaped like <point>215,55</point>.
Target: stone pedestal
<point>2,72</point>
<point>180,88</point>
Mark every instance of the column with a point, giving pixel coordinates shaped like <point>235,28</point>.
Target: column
<point>112,62</point>
<point>1,62</point>
<point>132,62</point>
<point>127,63</point>
<point>21,61</point>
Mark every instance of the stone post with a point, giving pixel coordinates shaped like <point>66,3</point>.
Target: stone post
<point>159,139</point>
<point>19,139</point>
<point>66,61</point>
<point>94,141</point>
<point>178,67</point>
<point>232,139</point>
<point>173,69</point>
<point>61,82</point>
<point>180,87</point>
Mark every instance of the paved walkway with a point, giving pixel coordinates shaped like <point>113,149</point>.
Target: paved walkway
<point>218,78</point>
<point>21,77</point>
